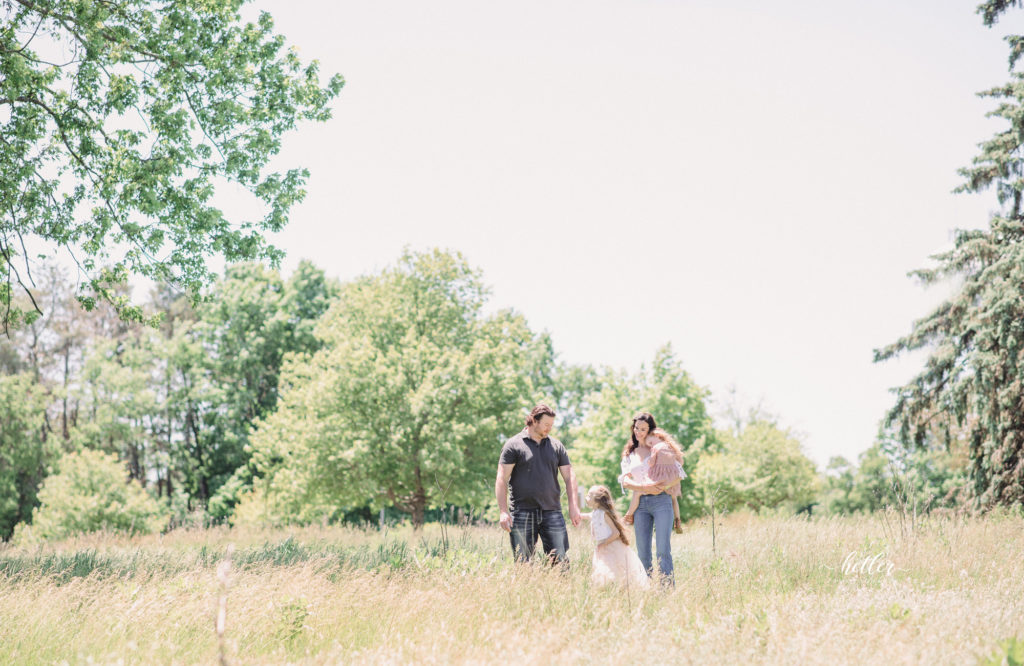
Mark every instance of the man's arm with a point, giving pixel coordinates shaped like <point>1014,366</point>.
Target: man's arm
<point>574,496</point>
<point>501,493</point>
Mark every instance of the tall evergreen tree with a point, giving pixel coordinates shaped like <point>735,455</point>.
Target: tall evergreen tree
<point>974,376</point>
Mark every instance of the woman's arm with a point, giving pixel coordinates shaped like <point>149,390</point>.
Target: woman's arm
<point>645,489</point>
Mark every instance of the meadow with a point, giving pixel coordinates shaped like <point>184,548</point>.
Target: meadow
<point>865,590</point>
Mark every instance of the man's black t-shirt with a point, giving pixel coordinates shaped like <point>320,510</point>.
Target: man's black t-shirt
<point>534,480</point>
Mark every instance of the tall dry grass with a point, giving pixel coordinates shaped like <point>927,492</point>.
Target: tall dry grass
<point>773,591</point>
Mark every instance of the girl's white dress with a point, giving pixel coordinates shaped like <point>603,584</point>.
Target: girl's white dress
<point>615,562</point>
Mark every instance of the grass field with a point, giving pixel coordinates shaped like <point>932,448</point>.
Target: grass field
<point>946,591</point>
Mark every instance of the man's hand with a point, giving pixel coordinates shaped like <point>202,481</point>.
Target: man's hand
<point>506,521</point>
<point>574,516</point>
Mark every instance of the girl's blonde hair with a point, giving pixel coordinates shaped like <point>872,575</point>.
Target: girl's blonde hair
<point>603,498</point>
<point>677,451</point>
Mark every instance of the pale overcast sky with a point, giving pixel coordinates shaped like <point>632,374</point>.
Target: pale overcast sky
<point>750,183</point>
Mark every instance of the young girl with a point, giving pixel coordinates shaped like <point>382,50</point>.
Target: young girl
<point>614,561</point>
<point>665,468</point>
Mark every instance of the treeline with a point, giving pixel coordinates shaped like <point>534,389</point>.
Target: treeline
<point>176,403</point>
<point>302,399</point>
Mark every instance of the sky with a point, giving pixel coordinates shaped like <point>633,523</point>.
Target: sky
<point>750,183</point>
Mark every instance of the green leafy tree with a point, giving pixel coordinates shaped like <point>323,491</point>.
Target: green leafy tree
<point>25,453</point>
<point>91,492</point>
<point>974,375</point>
<point>407,402</point>
<point>119,401</point>
<point>228,365</point>
<point>665,390</point>
<point>761,467</point>
<point>889,475</point>
<point>120,120</point>
<point>598,439</point>
<point>254,321</point>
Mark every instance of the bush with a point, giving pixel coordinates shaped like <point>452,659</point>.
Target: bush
<point>762,467</point>
<point>91,492</point>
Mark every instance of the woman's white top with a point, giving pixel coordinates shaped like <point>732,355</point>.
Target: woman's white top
<point>633,466</point>
<point>599,527</point>
<point>636,467</point>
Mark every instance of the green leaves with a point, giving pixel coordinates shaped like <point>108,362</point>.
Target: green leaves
<point>89,493</point>
<point>668,392</point>
<point>408,401</point>
<point>760,467</point>
<point>24,452</point>
<point>115,153</point>
<point>974,377</point>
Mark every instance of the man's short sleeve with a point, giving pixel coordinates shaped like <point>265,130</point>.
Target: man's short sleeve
<point>509,454</point>
<point>563,456</point>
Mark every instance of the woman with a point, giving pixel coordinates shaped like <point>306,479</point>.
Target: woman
<point>654,515</point>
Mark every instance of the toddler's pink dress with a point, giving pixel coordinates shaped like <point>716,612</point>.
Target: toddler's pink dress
<point>615,562</point>
<point>663,467</point>
<point>659,467</point>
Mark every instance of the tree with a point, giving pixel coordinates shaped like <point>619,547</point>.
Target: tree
<point>91,492</point>
<point>761,467</point>
<point>665,390</point>
<point>407,402</point>
<point>254,320</point>
<point>974,375</point>
<point>890,475</point>
<point>121,119</point>
<point>120,402</point>
<point>223,371</point>
<point>25,454</point>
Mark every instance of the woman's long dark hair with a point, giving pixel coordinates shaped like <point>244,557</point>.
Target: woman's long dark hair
<point>633,443</point>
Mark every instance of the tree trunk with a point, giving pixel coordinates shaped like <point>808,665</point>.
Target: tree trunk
<point>419,501</point>
<point>418,508</point>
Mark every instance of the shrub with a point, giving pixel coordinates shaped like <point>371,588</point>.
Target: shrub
<point>91,492</point>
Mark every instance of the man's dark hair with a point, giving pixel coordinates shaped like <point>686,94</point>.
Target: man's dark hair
<point>538,412</point>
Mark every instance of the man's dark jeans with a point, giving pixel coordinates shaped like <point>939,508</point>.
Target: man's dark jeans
<point>528,524</point>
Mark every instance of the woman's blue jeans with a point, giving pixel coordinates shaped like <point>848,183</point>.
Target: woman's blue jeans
<point>655,514</point>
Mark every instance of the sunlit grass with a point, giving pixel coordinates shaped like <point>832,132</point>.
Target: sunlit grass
<point>771,591</point>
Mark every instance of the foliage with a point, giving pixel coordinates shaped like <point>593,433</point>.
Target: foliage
<point>668,392</point>
<point>91,492</point>
<point>1010,651</point>
<point>409,399</point>
<point>231,361</point>
<point>760,467</point>
<point>24,453</point>
<point>120,121</point>
<point>118,393</point>
<point>974,376</point>
<point>890,475</point>
<point>849,488</point>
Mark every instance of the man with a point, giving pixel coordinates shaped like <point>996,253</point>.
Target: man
<point>530,463</point>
